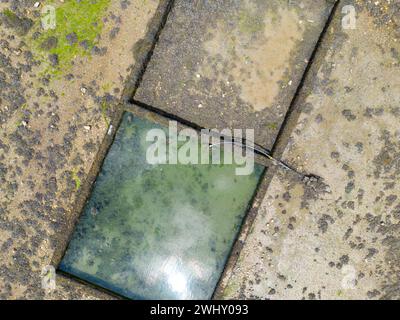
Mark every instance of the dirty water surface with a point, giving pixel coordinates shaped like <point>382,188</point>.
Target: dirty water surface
<point>157,231</point>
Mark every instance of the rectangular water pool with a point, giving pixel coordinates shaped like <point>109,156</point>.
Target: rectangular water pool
<point>157,231</point>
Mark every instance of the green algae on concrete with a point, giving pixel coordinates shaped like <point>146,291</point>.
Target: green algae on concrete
<point>78,27</point>
<point>157,231</point>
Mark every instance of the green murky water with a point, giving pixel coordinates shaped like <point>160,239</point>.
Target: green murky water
<point>157,231</point>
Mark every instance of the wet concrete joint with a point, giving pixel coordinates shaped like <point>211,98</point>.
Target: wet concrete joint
<point>109,295</point>
<point>164,118</point>
<point>87,185</point>
<point>166,114</point>
<point>293,113</point>
<point>244,143</point>
<point>135,79</point>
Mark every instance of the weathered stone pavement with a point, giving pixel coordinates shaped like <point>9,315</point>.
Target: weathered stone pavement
<point>233,64</point>
<point>216,64</point>
<point>58,89</point>
<point>340,238</point>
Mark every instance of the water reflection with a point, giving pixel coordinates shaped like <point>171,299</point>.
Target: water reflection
<point>157,231</point>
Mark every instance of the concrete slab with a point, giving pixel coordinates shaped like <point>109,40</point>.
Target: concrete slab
<point>58,90</point>
<point>340,238</point>
<point>233,64</point>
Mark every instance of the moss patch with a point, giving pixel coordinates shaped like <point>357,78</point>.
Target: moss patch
<point>272,126</point>
<point>230,290</point>
<point>77,32</point>
<point>76,179</point>
<point>104,108</point>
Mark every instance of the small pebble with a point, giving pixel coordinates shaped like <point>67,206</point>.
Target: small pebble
<point>110,130</point>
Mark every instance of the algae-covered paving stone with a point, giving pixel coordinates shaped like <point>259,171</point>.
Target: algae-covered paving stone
<point>233,64</point>
<point>56,99</point>
<point>159,231</point>
<point>339,238</point>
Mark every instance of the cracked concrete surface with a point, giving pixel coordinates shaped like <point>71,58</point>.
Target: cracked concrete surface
<point>340,241</point>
